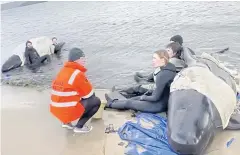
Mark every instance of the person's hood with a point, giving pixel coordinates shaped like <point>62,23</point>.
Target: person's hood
<point>75,65</point>
<point>169,67</point>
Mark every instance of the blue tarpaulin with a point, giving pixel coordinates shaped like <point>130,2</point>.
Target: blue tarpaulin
<point>147,136</point>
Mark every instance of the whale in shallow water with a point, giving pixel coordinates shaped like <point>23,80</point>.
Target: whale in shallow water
<point>13,62</point>
<point>43,45</point>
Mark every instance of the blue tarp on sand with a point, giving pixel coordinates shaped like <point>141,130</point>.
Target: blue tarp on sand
<point>148,136</point>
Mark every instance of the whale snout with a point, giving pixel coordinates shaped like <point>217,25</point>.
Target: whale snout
<point>13,62</point>
<point>190,125</point>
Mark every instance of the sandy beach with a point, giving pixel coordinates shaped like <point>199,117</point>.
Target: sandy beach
<point>27,128</point>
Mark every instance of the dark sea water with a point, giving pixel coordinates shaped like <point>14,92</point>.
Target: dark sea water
<point>120,37</point>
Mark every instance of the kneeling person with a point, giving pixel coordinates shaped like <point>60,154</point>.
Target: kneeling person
<point>32,59</point>
<point>72,94</point>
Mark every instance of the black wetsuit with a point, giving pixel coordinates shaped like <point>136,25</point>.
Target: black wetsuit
<point>157,101</point>
<point>140,89</point>
<point>33,59</point>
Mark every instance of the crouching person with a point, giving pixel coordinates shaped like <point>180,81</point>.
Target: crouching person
<point>72,94</point>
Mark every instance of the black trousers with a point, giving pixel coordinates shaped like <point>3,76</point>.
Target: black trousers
<point>91,106</point>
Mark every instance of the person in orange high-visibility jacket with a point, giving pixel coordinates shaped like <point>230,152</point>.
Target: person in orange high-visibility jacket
<point>72,95</point>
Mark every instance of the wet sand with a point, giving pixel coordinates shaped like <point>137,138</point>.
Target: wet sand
<point>28,128</point>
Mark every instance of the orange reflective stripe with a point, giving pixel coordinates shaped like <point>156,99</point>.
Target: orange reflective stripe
<point>73,76</point>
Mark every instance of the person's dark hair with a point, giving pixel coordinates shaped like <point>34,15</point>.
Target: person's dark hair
<point>54,38</point>
<point>28,42</point>
<point>163,54</point>
<point>177,38</point>
<point>176,48</point>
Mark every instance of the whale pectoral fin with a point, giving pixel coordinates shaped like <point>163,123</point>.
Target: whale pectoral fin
<point>58,47</point>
